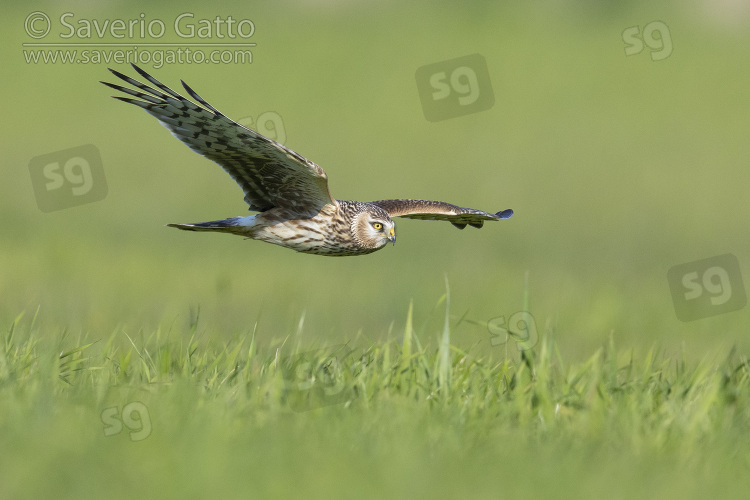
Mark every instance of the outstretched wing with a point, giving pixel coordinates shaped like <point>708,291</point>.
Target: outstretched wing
<point>270,174</point>
<point>439,210</point>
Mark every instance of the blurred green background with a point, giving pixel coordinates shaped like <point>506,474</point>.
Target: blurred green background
<point>618,168</point>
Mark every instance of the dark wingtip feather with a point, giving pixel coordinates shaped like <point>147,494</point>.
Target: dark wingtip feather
<point>112,85</point>
<point>140,71</point>
<point>504,214</point>
<point>143,104</point>
<point>118,74</point>
<point>198,98</point>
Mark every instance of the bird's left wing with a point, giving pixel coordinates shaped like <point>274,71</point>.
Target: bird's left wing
<point>270,174</point>
<point>439,210</point>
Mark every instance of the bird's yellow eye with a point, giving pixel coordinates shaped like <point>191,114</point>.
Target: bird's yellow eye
<point>377,225</point>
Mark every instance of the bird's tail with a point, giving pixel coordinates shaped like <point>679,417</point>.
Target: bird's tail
<point>236,225</point>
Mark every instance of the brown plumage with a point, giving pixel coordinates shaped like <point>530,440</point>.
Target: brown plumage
<point>296,209</point>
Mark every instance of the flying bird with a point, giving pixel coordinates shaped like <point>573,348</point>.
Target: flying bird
<point>289,192</point>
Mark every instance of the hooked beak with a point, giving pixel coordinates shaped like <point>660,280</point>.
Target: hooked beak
<point>392,237</point>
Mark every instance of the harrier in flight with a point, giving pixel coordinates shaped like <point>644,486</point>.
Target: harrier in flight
<point>289,192</point>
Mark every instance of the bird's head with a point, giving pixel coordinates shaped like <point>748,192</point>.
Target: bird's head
<point>373,228</point>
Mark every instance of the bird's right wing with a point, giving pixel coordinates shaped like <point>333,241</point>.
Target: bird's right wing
<point>270,174</point>
<point>439,210</point>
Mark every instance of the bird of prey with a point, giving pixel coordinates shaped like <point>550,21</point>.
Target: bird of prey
<point>289,192</point>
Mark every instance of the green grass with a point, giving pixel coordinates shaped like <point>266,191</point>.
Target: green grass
<point>403,418</point>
